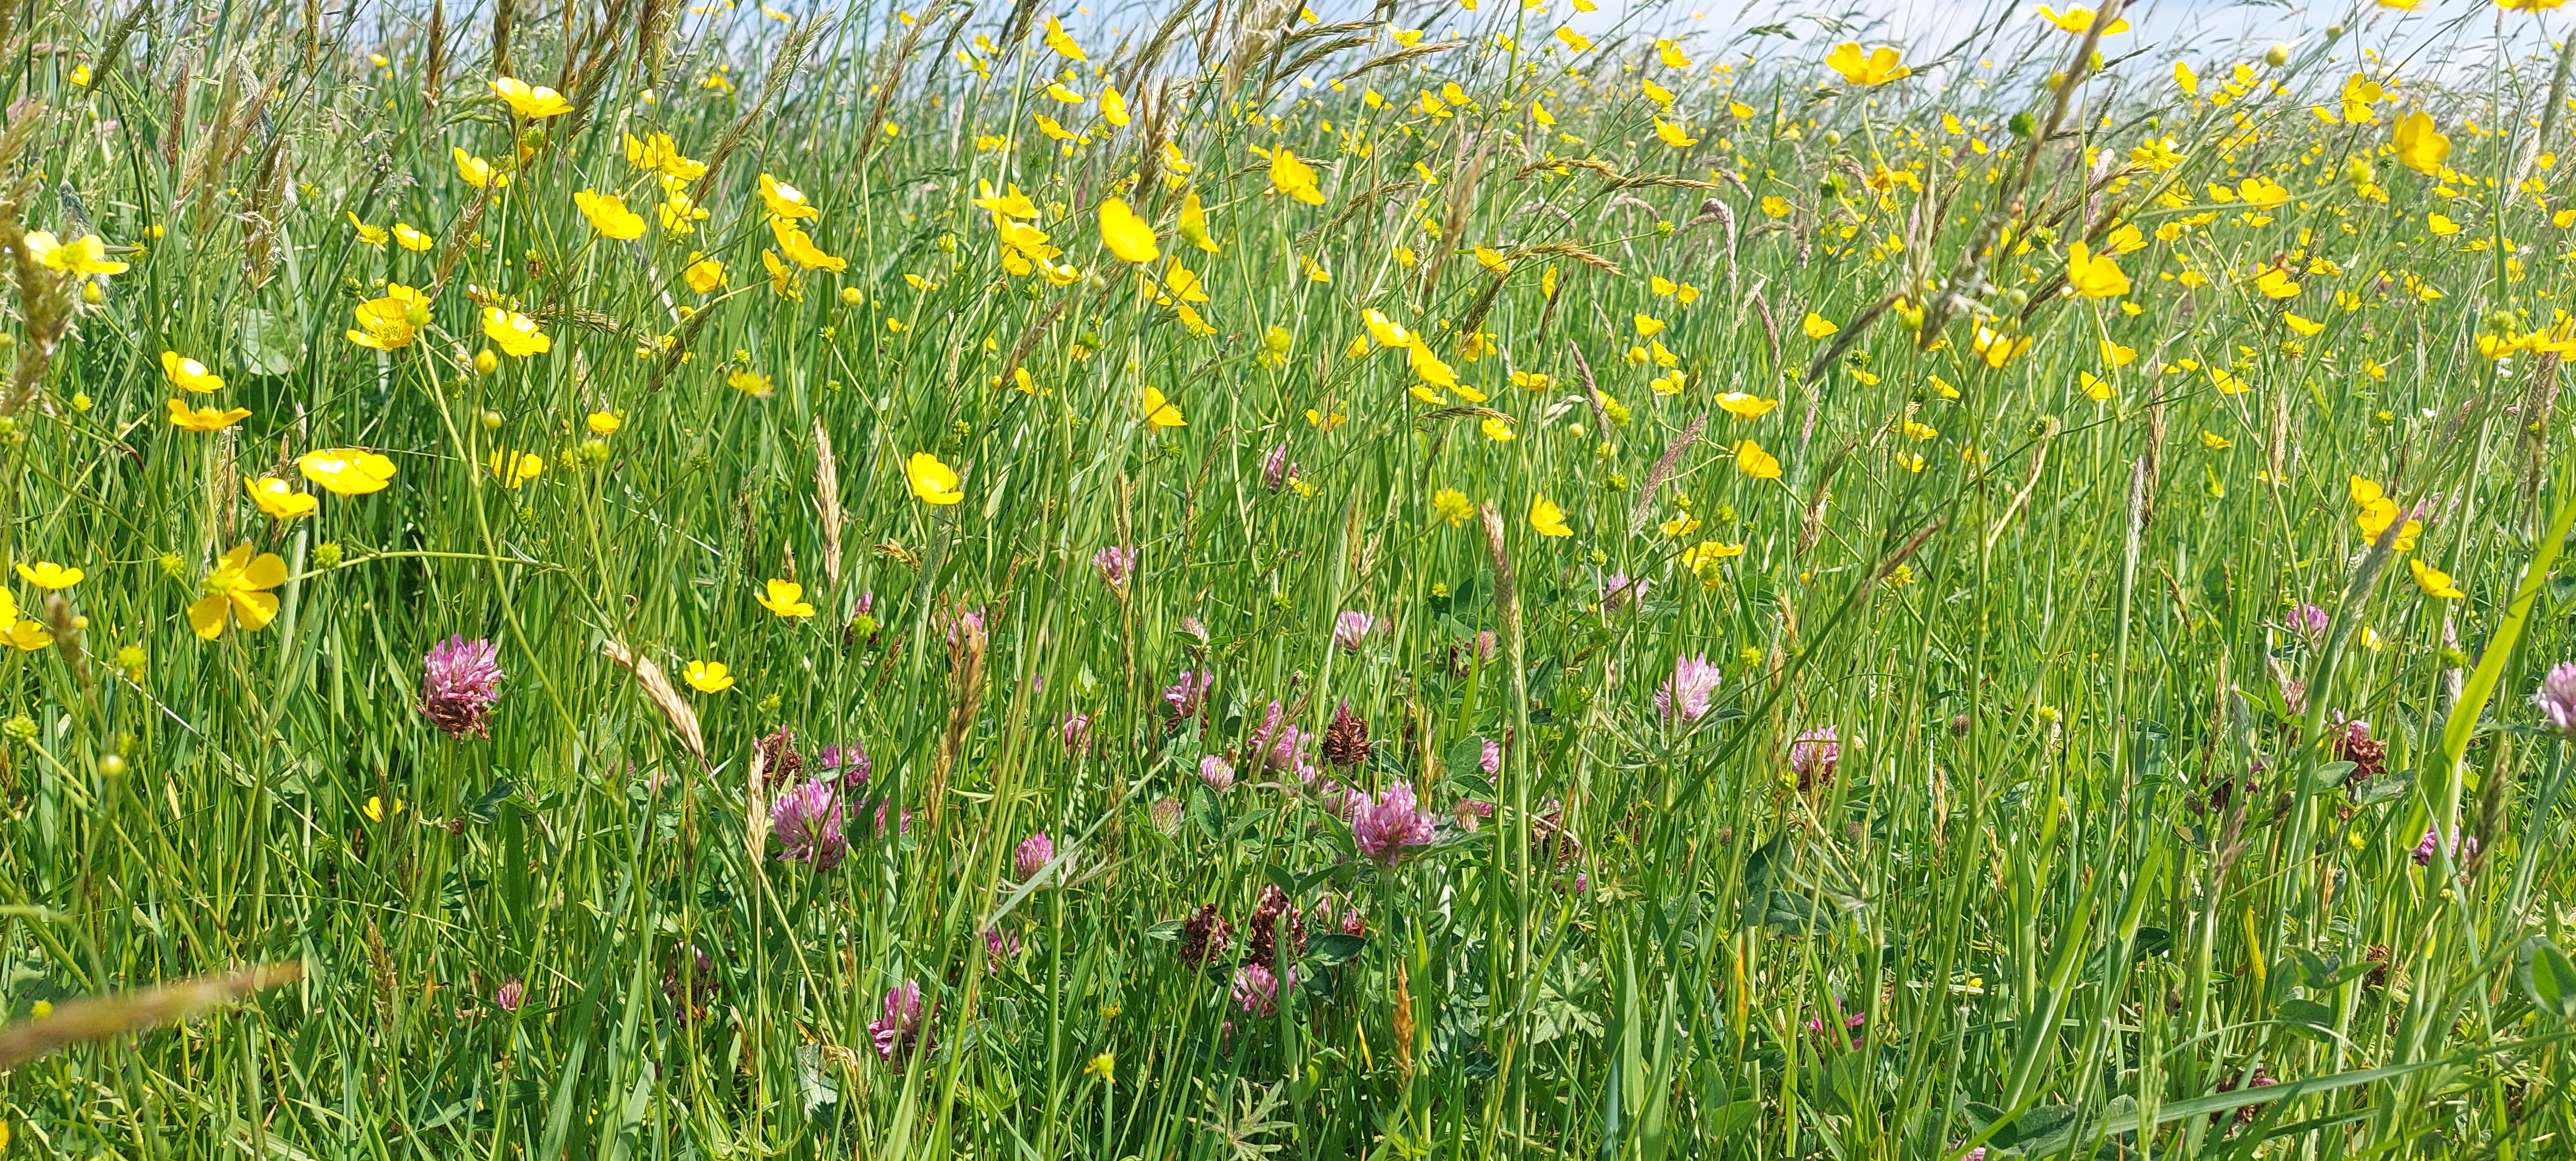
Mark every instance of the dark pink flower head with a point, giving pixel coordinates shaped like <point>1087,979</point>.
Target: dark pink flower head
<point>2557,697</point>
<point>459,681</point>
<point>807,821</point>
<point>999,947</point>
<point>1256,990</point>
<point>2424,850</point>
<point>847,762</point>
<point>1351,629</point>
<point>905,1024</point>
<point>1116,564</point>
<point>1814,755</point>
<point>1183,699</point>
<point>1216,773</point>
<point>1076,731</point>
<point>1384,828</point>
<point>1034,853</point>
<point>1491,760</point>
<point>514,992</point>
<point>1279,746</point>
<point>2306,620</point>
<point>1276,471</point>
<point>1686,693</point>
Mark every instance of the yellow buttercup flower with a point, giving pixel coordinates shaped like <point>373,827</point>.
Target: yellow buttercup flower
<point>1129,237</point>
<point>1293,177</point>
<point>1159,411</point>
<point>2079,20</point>
<point>787,599</point>
<point>1549,519</point>
<point>1751,460</point>
<point>799,247</point>
<point>603,423</point>
<point>657,153</point>
<point>2093,275</point>
<point>391,323</point>
<point>1744,406</point>
<point>1818,326</point>
<point>705,276</point>
<point>84,255</point>
<point>784,201</point>
<point>476,172</point>
<point>516,334</point>
<point>707,676</point>
<point>1876,67</point>
<point>1674,135</point>
<point>2434,581</point>
<point>346,471</point>
<point>371,235</point>
<point>1649,326</point>
<point>205,419</point>
<point>411,239</point>
<point>932,481</point>
<point>2421,146</point>
<point>46,574</point>
<point>237,591</point>
<point>1194,225</point>
<point>534,102</point>
<point>608,215</point>
<point>514,468</point>
<point>279,499</point>
<point>189,374</point>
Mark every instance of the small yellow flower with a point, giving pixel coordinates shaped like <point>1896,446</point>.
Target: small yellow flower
<point>1648,326</point>
<point>2093,275</point>
<point>1751,460</point>
<point>46,574</point>
<point>237,590</point>
<point>516,468</point>
<point>205,419</point>
<point>1549,519</point>
<point>705,276</point>
<point>783,200</point>
<point>389,323</point>
<point>1818,326</point>
<point>278,498</point>
<point>1452,505</point>
<point>476,172</point>
<point>372,235</point>
<point>1497,430</point>
<point>1104,1066</point>
<point>707,676</point>
<point>1128,236</point>
<point>516,334</point>
<point>346,471</point>
<point>603,423</point>
<point>608,215</point>
<point>932,481</point>
<point>2434,581</point>
<point>1743,406</point>
<point>375,808</point>
<point>1159,411</point>
<point>799,247</point>
<point>1874,68</point>
<point>1293,177</point>
<point>534,102</point>
<point>189,374</point>
<point>411,239</point>
<point>83,255</point>
<point>757,386</point>
<point>787,599</point>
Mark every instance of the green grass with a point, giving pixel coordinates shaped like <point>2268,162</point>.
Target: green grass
<point>2087,862</point>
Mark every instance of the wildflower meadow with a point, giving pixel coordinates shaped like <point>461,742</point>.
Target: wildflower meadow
<point>1218,580</point>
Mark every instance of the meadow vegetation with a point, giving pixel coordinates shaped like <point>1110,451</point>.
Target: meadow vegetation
<point>614,578</point>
